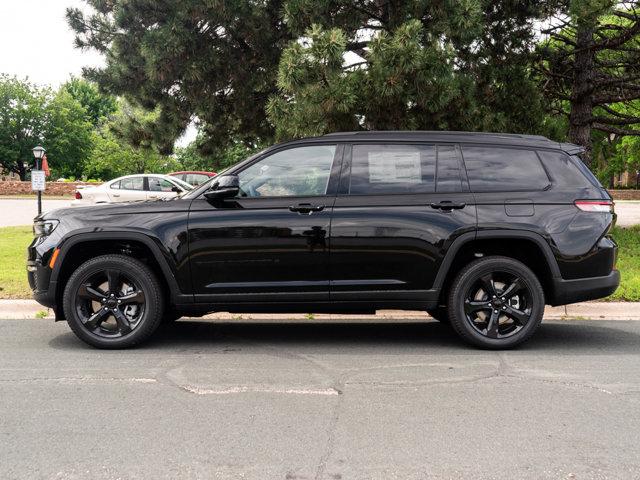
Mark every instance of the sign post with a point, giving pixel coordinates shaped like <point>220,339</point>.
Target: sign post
<point>38,177</point>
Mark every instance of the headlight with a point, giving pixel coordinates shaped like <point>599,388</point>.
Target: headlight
<point>42,228</point>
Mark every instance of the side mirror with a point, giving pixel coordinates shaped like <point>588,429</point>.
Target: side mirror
<point>176,189</point>
<point>226,186</point>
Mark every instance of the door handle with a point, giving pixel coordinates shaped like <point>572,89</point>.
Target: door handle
<point>116,194</point>
<point>447,205</point>
<point>306,208</point>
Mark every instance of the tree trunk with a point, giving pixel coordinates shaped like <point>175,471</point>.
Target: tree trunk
<point>582,91</point>
<point>22,172</point>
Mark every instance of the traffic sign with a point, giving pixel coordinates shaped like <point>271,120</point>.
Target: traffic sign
<point>38,182</point>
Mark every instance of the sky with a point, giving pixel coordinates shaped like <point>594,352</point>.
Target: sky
<point>36,43</point>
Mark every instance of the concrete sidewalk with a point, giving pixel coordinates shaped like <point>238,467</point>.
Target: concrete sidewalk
<point>19,309</point>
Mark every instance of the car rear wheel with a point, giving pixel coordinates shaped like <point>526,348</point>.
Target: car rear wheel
<point>496,303</point>
<point>113,301</point>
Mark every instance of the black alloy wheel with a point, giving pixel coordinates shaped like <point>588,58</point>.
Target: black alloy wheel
<point>113,301</point>
<point>110,304</point>
<point>498,305</point>
<point>496,302</point>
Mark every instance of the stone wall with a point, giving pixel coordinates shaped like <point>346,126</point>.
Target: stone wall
<point>53,189</point>
<point>625,194</point>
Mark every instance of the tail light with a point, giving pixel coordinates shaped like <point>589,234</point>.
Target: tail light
<point>78,195</point>
<point>597,206</point>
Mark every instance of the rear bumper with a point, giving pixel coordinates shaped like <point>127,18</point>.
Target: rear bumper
<point>583,289</point>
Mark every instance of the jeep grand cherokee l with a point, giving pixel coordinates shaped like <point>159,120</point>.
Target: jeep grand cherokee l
<point>480,230</point>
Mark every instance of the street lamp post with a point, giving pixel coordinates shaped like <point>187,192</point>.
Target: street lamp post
<point>38,153</point>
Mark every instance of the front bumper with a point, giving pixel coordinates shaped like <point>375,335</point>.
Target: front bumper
<point>583,289</point>
<point>42,288</point>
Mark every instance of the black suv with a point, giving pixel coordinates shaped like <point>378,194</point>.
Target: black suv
<point>480,230</point>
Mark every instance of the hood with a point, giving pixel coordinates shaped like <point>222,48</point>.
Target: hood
<point>110,213</point>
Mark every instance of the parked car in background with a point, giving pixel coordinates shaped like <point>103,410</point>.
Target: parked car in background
<point>132,188</point>
<point>193,178</point>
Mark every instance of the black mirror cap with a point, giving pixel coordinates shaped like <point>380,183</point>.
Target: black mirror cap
<point>226,186</point>
<point>176,189</point>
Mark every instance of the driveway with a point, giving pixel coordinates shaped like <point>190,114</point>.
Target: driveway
<point>628,213</point>
<point>21,211</point>
<point>320,401</point>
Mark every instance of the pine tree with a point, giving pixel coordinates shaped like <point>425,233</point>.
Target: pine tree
<point>212,61</point>
<point>591,65</point>
<point>378,64</point>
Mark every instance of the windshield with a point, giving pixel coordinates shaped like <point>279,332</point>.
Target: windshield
<point>183,184</point>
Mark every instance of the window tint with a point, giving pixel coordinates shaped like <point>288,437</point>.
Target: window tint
<point>377,169</point>
<point>160,184</point>
<point>562,170</point>
<point>448,170</point>
<point>577,161</point>
<point>503,169</point>
<point>135,183</point>
<point>302,171</point>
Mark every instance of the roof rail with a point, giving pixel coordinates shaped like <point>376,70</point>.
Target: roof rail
<point>439,132</point>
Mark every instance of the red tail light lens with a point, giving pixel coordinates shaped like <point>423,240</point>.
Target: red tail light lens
<point>597,206</point>
<point>78,195</point>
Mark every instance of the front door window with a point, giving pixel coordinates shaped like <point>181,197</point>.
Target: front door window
<point>296,172</point>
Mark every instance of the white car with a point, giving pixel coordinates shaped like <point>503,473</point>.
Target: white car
<point>132,188</point>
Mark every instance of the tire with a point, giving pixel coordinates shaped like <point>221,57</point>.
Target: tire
<point>113,301</point>
<point>439,313</point>
<point>496,303</point>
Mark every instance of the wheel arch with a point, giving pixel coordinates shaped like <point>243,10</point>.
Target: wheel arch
<point>78,248</point>
<point>528,247</point>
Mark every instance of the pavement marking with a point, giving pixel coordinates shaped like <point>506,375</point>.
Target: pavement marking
<point>237,390</point>
<point>80,379</point>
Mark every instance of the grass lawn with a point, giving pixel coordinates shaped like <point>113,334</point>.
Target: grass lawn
<point>13,262</point>
<point>14,242</point>
<point>628,263</point>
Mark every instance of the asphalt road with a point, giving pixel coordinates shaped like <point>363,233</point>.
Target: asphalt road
<point>310,401</point>
<point>22,211</point>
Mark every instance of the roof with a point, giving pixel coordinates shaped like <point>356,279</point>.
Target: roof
<point>511,139</point>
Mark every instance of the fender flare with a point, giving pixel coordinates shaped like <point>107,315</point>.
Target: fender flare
<point>167,271</point>
<point>465,238</point>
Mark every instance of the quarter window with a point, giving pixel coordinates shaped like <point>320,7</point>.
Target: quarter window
<point>504,169</point>
<point>296,172</point>
<point>389,169</point>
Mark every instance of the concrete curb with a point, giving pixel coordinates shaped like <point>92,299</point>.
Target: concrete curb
<point>22,309</point>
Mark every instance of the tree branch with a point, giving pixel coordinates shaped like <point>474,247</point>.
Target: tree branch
<point>617,131</point>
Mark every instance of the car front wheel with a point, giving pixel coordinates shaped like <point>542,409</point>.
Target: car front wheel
<point>496,303</point>
<point>113,301</point>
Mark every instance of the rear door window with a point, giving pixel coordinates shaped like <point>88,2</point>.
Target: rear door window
<point>134,183</point>
<point>492,169</point>
<point>448,178</point>
<point>392,169</point>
